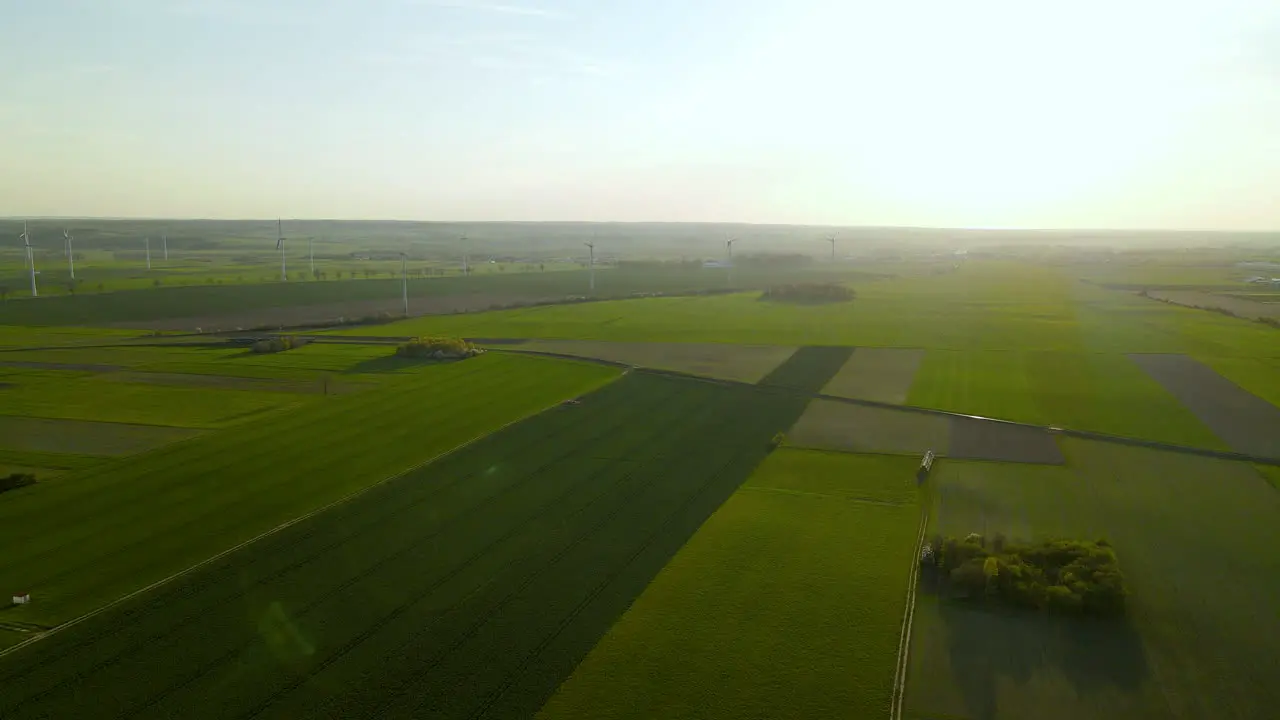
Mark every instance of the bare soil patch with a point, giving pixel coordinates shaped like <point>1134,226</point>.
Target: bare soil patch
<point>304,315</point>
<point>84,437</point>
<point>881,374</point>
<point>1243,420</point>
<point>833,425</point>
<point>743,363</point>
<point>973,439</point>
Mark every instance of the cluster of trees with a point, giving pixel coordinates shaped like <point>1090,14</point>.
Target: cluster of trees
<point>1067,576</point>
<point>438,348</point>
<point>278,344</point>
<point>811,292</point>
<point>16,480</point>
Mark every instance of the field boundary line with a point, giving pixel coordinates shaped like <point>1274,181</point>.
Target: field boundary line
<point>283,526</point>
<point>899,698</point>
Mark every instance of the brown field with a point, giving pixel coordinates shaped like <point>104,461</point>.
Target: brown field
<point>85,437</point>
<point>743,363</point>
<point>1245,421</point>
<point>985,440</point>
<point>882,374</point>
<point>833,425</point>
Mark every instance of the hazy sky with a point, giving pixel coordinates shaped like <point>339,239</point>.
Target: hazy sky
<point>1090,113</point>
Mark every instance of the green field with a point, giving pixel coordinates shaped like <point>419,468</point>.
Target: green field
<point>99,533</point>
<point>1100,392</point>
<point>487,575</point>
<point>414,539</point>
<point>1188,532</point>
<point>787,603</point>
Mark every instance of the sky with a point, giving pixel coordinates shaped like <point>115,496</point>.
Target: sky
<point>986,113</point>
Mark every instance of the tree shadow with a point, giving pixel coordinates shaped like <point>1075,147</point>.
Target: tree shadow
<point>991,647</point>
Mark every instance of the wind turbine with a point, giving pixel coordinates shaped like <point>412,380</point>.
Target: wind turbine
<point>311,255</point>
<point>31,260</point>
<point>284,269</point>
<point>832,239</point>
<point>728,245</point>
<point>591,246</point>
<point>148,244</point>
<point>404,281</point>
<point>466,267</point>
<point>166,246</point>
<point>71,256</point>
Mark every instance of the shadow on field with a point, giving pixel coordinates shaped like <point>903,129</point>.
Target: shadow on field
<point>389,364</point>
<point>989,648</point>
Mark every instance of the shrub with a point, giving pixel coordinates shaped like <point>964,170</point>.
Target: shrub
<point>278,344</point>
<point>438,348</point>
<point>16,480</point>
<point>815,292</point>
<point>1065,576</point>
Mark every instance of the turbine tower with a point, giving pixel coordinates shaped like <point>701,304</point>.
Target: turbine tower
<point>832,239</point>
<point>311,255</point>
<point>71,256</point>
<point>147,242</point>
<point>404,281</point>
<point>466,267</point>
<point>728,245</point>
<point>591,247</point>
<point>166,246</point>
<point>284,269</point>
<point>31,260</point>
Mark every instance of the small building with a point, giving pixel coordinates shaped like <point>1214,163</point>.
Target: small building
<point>926,464</point>
<point>21,598</point>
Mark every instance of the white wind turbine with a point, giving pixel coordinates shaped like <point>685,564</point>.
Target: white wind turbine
<point>31,260</point>
<point>591,246</point>
<point>284,268</point>
<point>71,255</point>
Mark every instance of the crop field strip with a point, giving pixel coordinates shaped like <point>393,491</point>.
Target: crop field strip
<point>1248,423</point>
<point>97,555</point>
<point>742,363</point>
<point>881,374</point>
<point>82,437</point>
<point>611,523</point>
<point>786,603</point>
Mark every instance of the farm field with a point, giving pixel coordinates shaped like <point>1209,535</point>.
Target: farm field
<point>79,437</point>
<point>1257,375</point>
<point>986,305</point>
<point>102,400</point>
<point>880,374</point>
<point>743,363</point>
<point>787,603</point>
<point>1099,392</point>
<point>466,588</point>
<point>99,533</point>
<point>1198,643</point>
<point>828,424</point>
<point>1244,421</point>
